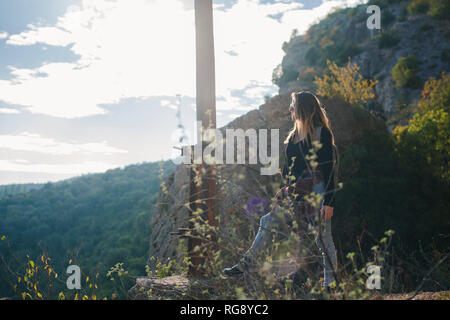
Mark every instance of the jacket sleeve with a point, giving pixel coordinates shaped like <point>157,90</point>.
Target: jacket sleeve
<point>326,165</point>
<point>285,170</point>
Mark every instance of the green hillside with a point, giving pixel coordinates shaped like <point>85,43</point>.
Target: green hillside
<point>96,221</point>
<point>13,189</point>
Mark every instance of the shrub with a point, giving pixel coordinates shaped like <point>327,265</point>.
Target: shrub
<point>345,83</point>
<point>436,94</point>
<point>385,185</point>
<point>419,7</point>
<point>429,130</point>
<point>387,40</point>
<point>343,54</point>
<point>387,17</point>
<point>404,72</point>
<point>425,27</point>
<point>351,12</point>
<point>289,75</point>
<point>281,76</point>
<point>445,55</point>
<point>311,56</point>
<point>403,15</point>
<point>382,3</point>
<point>439,9</point>
<point>308,75</point>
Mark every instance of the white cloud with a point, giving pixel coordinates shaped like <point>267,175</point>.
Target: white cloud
<point>164,103</point>
<point>21,161</point>
<point>230,103</point>
<point>256,42</point>
<point>36,143</point>
<point>3,35</point>
<point>9,111</point>
<point>168,104</point>
<point>72,169</point>
<point>49,35</point>
<point>140,48</point>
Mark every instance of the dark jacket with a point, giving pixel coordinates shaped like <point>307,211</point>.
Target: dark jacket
<point>325,162</point>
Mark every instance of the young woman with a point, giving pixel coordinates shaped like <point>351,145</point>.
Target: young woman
<point>309,120</point>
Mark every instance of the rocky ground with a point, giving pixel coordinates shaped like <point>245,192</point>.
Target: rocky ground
<point>183,288</point>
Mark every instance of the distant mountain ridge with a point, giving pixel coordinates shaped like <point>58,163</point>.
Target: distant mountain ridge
<point>13,189</point>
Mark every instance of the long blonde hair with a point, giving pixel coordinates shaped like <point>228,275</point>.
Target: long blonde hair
<point>308,114</point>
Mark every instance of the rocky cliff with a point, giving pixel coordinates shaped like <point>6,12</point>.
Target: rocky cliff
<point>344,34</point>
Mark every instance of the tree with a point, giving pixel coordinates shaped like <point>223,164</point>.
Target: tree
<point>345,83</point>
<point>404,72</point>
<point>428,132</point>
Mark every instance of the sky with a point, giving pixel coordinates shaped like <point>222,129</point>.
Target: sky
<point>90,85</point>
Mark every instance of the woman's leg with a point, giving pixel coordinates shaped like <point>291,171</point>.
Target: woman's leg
<point>324,242</point>
<point>262,239</point>
<point>326,245</point>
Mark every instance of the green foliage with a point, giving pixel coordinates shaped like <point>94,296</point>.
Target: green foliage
<point>387,17</point>
<point>13,189</point>
<point>97,220</point>
<point>312,56</point>
<point>404,72</point>
<point>430,133</point>
<point>387,186</point>
<point>308,76</point>
<point>445,55</point>
<point>338,52</point>
<point>436,94</point>
<point>384,3</point>
<point>438,9</point>
<point>345,83</point>
<point>419,7</point>
<point>426,27</point>
<point>401,181</point>
<point>387,40</point>
<point>290,75</point>
<point>429,130</point>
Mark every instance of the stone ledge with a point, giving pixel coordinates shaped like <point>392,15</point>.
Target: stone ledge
<point>179,287</point>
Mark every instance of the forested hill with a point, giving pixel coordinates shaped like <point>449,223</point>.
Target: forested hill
<point>96,220</point>
<point>12,189</point>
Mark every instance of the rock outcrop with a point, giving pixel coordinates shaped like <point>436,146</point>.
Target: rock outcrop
<point>348,125</point>
<point>344,34</point>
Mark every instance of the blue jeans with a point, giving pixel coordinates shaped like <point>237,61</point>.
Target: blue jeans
<point>323,240</point>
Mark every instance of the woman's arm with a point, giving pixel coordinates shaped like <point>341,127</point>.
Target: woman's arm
<point>325,159</point>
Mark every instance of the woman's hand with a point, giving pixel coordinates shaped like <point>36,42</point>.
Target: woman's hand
<point>326,213</point>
